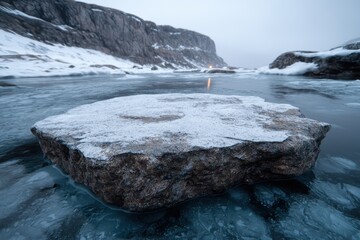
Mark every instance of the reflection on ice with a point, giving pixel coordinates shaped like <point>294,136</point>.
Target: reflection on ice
<point>219,220</point>
<point>336,165</point>
<point>314,219</point>
<point>345,196</point>
<point>10,172</point>
<point>18,195</point>
<point>355,105</point>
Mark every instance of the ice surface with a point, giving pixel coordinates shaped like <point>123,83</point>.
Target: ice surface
<point>314,219</point>
<point>335,165</point>
<point>201,120</point>
<point>345,196</point>
<point>74,214</point>
<point>268,196</point>
<point>353,104</point>
<point>9,172</point>
<point>226,221</point>
<point>13,198</point>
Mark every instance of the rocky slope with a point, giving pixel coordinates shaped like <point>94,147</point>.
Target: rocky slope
<point>150,151</point>
<point>110,31</point>
<point>339,63</point>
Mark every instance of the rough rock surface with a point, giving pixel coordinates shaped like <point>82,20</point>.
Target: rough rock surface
<point>150,151</point>
<point>110,31</point>
<point>220,70</point>
<point>338,63</point>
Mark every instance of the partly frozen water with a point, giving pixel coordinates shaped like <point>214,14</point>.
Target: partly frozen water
<point>39,202</point>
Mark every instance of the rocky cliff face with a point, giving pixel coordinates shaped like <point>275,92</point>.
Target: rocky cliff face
<point>110,31</point>
<point>339,63</point>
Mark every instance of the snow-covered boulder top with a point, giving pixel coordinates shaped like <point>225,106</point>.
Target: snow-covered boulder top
<point>128,144</point>
<point>156,124</point>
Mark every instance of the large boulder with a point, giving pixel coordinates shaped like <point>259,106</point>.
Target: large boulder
<point>150,151</point>
<point>339,63</point>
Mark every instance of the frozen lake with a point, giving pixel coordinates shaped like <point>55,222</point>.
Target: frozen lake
<point>39,202</point>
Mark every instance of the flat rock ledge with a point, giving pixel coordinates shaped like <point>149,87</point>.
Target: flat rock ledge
<point>151,151</point>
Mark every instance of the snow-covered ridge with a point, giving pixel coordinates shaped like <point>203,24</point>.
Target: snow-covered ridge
<point>324,54</point>
<point>24,57</point>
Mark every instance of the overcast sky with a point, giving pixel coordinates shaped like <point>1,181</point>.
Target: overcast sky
<point>251,33</point>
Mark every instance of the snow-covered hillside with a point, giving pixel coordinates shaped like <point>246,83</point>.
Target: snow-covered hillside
<point>24,57</point>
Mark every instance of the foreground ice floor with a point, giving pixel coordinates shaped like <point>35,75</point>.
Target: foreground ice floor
<point>39,202</point>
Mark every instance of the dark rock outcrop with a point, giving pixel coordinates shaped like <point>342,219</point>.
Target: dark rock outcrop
<point>332,64</point>
<point>179,146</point>
<point>220,70</point>
<point>110,31</point>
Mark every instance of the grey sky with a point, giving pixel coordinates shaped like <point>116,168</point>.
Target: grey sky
<point>251,33</point>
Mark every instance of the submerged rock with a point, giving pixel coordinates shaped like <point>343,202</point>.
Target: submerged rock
<point>150,151</point>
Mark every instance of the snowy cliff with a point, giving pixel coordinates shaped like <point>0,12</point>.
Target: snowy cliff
<point>113,32</point>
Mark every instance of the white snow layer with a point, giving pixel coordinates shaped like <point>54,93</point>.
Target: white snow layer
<point>96,10</point>
<point>179,48</point>
<point>176,121</point>
<point>297,68</point>
<point>324,54</point>
<point>24,57</point>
